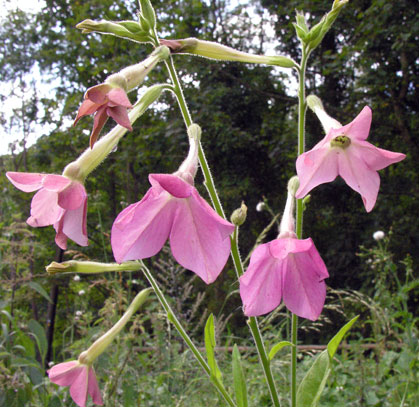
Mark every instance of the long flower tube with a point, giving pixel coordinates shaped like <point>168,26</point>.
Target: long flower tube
<point>61,200</point>
<point>79,374</point>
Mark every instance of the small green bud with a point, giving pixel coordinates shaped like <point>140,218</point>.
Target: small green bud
<point>301,20</point>
<point>238,217</point>
<point>293,185</point>
<point>313,102</point>
<point>195,131</point>
<point>144,23</point>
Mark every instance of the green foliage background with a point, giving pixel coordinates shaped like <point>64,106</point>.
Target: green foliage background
<point>248,116</point>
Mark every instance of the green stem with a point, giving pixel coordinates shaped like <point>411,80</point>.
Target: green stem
<point>238,265</point>
<point>302,107</point>
<point>172,318</point>
<point>254,328</point>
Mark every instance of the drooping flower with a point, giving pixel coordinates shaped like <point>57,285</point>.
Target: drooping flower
<point>109,99</point>
<point>79,374</point>
<point>60,202</point>
<point>105,100</point>
<point>287,269</point>
<point>82,381</point>
<point>172,208</point>
<point>344,152</point>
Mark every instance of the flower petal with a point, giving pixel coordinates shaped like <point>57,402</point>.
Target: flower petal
<point>26,181</point>
<point>359,176</point>
<point>99,121</point>
<point>78,389</point>
<point>93,388</point>
<point>56,183</point>
<point>98,94</point>
<point>315,167</point>
<point>44,209</point>
<point>199,237</point>
<point>74,224</point>
<point>359,128</point>
<point>141,229</point>
<point>172,184</point>
<point>120,115</point>
<point>261,284</point>
<point>64,374</point>
<point>73,196</point>
<point>377,158</point>
<point>86,108</point>
<point>304,290</point>
<point>118,97</point>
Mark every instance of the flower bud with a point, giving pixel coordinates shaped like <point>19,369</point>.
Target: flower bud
<point>194,131</point>
<point>293,185</point>
<point>100,345</point>
<point>124,29</point>
<point>238,217</point>
<point>213,50</point>
<point>260,206</point>
<point>148,13</point>
<point>317,33</point>
<point>378,235</point>
<point>90,267</point>
<point>316,105</point>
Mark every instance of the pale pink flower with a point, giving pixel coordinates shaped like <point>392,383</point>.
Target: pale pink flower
<point>105,100</point>
<point>172,208</point>
<point>60,202</point>
<point>289,269</point>
<point>344,152</point>
<point>82,381</point>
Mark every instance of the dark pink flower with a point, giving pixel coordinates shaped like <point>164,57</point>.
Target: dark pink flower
<point>60,202</point>
<point>289,269</point>
<point>105,100</point>
<point>344,152</point>
<point>173,208</point>
<point>82,381</point>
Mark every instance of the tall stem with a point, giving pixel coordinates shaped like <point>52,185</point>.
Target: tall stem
<point>172,318</point>
<point>302,107</point>
<point>238,265</point>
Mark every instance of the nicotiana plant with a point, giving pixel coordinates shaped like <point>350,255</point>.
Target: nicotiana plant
<point>288,268</point>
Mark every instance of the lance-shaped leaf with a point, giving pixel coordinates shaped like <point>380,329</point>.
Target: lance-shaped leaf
<point>209,347</point>
<point>314,381</point>
<point>239,380</point>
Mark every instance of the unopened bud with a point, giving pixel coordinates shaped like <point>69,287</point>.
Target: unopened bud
<point>194,131</point>
<point>260,206</point>
<point>238,217</point>
<point>213,50</point>
<point>293,185</point>
<point>90,267</point>
<point>378,235</point>
<point>316,105</point>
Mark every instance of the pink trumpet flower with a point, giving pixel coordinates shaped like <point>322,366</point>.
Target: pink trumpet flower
<point>286,268</point>
<point>60,202</point>
<point>172,208</point>
<point>82,381</point>
<point>105,100</point>
<point>344,151</point>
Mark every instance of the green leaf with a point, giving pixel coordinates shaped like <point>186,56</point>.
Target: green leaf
<point>311,387</point>
<point>148,13</point>
<point>333,345</point>
<point>39,334</point>
<point>40,290</point>
<point>209,346</point>
<point>239,379</point>
<point>276,348</point>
